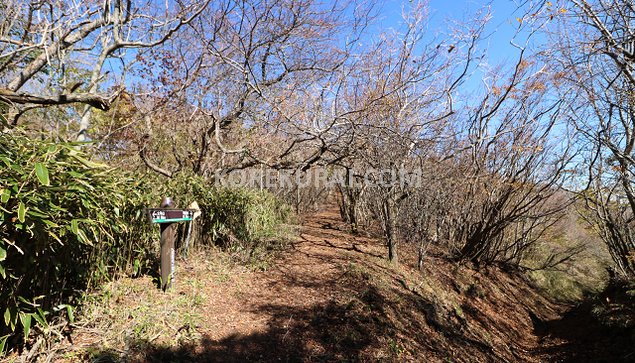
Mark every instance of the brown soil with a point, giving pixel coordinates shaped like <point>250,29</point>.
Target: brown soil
<point>332,297</point>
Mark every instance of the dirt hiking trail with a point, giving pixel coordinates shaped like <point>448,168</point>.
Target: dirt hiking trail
<point>330,297</point>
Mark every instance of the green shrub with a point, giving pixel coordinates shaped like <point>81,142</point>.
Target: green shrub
<point>66,223</point>
<point>240,220</point>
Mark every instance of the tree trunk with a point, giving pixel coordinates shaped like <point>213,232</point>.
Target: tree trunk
<point>390,232</point>
<point>392,251</point>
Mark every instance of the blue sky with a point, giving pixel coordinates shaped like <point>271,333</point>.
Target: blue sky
<point>500,29</point>
<point>499,32</point>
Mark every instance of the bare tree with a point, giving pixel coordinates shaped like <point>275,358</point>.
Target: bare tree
<point>254,82</point>
<point>595,64</point>
<point>515,168</point>
<point>54,52</point>
<point>489,173</point>
<point>408,86</point>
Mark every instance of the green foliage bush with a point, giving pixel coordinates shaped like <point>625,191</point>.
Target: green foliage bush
<point>240,220</point>
<point>66,223</point>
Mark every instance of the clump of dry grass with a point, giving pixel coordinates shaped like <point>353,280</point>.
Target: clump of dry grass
<point>118,320</point>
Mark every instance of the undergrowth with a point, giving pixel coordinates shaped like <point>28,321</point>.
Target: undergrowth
<point>245,222</point>
<point>68,224</point>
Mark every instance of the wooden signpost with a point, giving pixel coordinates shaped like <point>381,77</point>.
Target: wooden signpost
<point>167,216</point>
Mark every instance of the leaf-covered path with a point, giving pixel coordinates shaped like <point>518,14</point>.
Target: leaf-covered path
<point>331,296</point>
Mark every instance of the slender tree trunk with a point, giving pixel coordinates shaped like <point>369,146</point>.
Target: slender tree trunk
<point>391,242</point>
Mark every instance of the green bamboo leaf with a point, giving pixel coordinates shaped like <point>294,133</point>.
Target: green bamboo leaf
<point>71,315</point>
<point>25,319</point>
<point>57,208</point>
<point>6,194</point>
<point>42,174</point>
<point>55,237</point>
<point>137,266</point>
<point>40,318</point>
<point>7,317</point>
<point>6,161</point>
<point>50,223</point>
<point>75,226</point>
<point>34,212</point>
<point>89,163</point>
<point>3,254</point>
<point>27,302</point>
<point>3,342</point>
<point>2,272</point>
<point>5,123</point>
<point>21,212</point>
<point>83,238</point>
<point>13,319</point>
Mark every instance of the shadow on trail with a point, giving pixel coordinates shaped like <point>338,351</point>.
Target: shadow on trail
<point>351,327</point>
<point>318,333</point>
<point>326,242</point>
<point>597,330</point>
<point>333,331</point>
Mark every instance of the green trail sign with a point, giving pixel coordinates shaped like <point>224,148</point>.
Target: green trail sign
<point>167,215</point>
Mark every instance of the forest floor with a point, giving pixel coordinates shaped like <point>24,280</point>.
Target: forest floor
<point>331,297</point>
